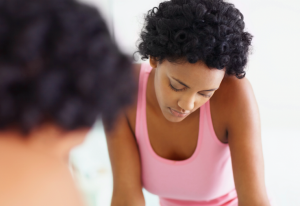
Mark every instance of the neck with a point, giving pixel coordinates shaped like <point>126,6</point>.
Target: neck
<point>47,139</point>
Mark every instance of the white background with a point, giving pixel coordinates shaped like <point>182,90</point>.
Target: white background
<point>273,70</point>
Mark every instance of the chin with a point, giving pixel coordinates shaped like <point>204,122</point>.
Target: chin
<point>171,118</point>
<point>175,120</point>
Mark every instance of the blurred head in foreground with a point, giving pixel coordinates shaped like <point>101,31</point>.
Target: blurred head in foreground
<point>59,69</point>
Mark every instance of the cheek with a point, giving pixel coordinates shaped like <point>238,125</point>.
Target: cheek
<point>164,94</point>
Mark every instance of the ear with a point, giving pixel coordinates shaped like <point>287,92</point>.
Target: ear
<point>153,62</point>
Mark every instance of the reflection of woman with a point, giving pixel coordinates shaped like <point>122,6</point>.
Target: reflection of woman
<point>193,138</point>
<point>59,71</point>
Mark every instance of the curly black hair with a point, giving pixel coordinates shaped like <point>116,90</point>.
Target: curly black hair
<point>211,31</point>
<point>59,64</point>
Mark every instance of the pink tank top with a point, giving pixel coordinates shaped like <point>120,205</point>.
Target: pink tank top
<point>204,179</point>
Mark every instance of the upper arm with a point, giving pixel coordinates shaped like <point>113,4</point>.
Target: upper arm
<point>125,162</point>
<point>123,152</point>
<point>244,138</point>
<point>123,148</point>
<point>124,157</point>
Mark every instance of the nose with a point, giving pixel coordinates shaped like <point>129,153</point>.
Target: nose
<point>187,102</point>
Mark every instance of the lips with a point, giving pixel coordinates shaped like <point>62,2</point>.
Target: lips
<point>177,114</point>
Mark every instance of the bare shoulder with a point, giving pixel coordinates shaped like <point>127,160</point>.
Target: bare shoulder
<point>236,87</point>
<point>137,69</point>
<point>136,72</point>
<point>234,104</point>
<point>31,178</point>
<point>130,112</point>
<point>234,93</point>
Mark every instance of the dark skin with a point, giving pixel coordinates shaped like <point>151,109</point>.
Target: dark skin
<point>174,94</point>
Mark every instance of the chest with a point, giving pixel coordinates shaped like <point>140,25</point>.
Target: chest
<point>175,141</point>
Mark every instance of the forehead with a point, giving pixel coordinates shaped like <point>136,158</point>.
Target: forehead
<point>197,74</point>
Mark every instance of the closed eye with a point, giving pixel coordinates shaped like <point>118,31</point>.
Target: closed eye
<point>176,90</point>
<point>205,95</point>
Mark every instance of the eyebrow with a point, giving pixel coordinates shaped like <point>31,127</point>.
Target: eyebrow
<point>207,90</point>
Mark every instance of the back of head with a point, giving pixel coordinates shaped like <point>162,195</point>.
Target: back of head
<point>58,64</point>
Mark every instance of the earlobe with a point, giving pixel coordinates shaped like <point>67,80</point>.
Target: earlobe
<point>153,62</point>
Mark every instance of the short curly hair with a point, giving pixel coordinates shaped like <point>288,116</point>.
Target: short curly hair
<point>211,31</point>
<point>59,64</point>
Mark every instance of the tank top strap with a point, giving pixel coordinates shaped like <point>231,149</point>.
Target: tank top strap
<point>207,124</point>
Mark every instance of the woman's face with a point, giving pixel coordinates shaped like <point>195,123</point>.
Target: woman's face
<point>181,88</point>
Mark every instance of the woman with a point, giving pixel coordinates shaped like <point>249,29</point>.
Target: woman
<point>59,71</point>
<point>193,137</point>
